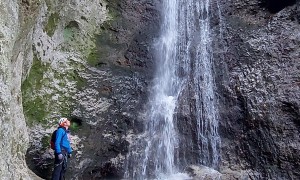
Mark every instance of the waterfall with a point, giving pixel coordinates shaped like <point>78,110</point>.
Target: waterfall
<point>184,73</point>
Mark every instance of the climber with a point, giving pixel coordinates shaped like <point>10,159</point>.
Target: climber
<point>62,149</point>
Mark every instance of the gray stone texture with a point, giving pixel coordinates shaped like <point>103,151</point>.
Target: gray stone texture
<point>258,76</point>
<point>256,58</point>
<point>14,134</point>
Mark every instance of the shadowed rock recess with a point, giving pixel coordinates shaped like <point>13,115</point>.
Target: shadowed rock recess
<point>92,61</point>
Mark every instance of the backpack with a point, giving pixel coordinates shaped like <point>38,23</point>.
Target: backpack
<point>53,138</point>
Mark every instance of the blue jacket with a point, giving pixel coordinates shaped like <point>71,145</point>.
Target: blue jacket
<point>62,141</point>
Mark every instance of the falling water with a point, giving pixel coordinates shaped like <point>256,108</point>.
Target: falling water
<point>184,67</point>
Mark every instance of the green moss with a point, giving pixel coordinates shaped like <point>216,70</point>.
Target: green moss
<point>52,24</point>
<point>104,40</point>
<point>46,141</point>
<point>68,34</point>
<point>35,110</point>
<point>37,103</point>
<point>71,30</point>
<point>74,127</point>
<point>106,44</point>
<point>35,77</point>
<point>94,57</point>
<point>66,107</point>
<point>107,40</point>
<point>74,76</point>
<point>62,84</point>
<point>34,107</point>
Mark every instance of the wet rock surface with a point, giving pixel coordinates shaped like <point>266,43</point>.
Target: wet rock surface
<point>256,56</point>
<point>257,76</point>
<point>113,85</point>
<point>117,88</point>
<point>258,81</point>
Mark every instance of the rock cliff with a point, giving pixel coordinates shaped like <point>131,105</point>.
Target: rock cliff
<point>259,93</point>
<point>87,60</point>
<point>14,38</point>
<point>92,61</point>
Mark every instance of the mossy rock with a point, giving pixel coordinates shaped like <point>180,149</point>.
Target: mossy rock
<point>34,107</point>
<point>38,92</point>
<point>46,141</point>
<point>52,24</point>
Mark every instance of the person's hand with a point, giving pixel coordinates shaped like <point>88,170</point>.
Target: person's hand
<point>69,155</point>
<point>60,156</point>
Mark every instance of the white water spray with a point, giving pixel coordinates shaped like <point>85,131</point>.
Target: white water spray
<point>184,64</point>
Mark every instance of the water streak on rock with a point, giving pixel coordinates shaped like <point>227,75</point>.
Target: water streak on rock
<point>184,64</point>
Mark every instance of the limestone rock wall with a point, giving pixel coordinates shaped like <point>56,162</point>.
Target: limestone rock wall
<point>86,60</point>
<point>92,61</point>
<point>40,41</point>
<point>258,78</point>
<point>14,133</point>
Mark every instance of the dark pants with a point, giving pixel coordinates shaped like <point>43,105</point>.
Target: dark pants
<point>60,167</point>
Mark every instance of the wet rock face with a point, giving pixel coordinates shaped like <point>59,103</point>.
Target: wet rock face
<point>97,54</point>
<point>258,85</point>
<point>258,79</point>
<point>257,74</point>
<point>117,85</point>
<point>275,6</point>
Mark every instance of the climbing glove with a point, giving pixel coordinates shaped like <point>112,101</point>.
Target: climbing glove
<point>60,156</point>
